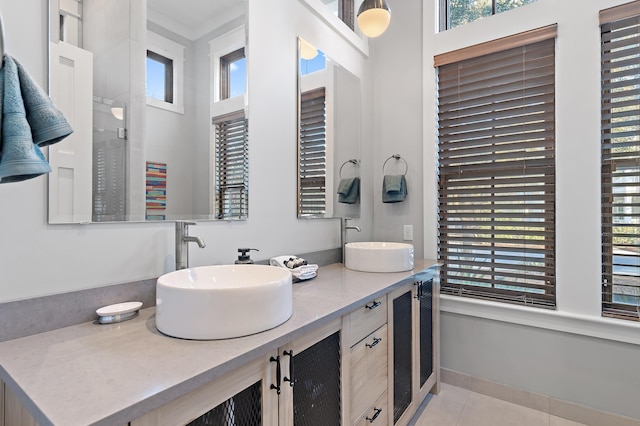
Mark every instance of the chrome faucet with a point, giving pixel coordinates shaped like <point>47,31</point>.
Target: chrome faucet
<point>344,226</point>
<point>182,240</point>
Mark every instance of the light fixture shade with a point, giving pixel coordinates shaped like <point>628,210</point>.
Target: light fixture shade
<point>374,17</point>
<point>117,112</point>
<point>307,50</point>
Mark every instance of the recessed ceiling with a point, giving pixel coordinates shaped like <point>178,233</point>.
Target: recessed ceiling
<point>193,18</point>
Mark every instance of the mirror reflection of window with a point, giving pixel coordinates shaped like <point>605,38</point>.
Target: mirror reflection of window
<point>233,74</point>
<point>232,166</point>
<point>312,153</point>
<point>159,77</point>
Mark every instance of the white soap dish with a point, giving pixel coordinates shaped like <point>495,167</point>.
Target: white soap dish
<point>118,312</point>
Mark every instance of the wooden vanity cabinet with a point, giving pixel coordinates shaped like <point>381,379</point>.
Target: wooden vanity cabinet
<point>372,366</point>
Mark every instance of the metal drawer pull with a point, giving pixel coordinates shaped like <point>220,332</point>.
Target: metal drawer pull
<point>374,305</point>
<point>419,292</point>
<point>278,376</point>
<point>375,415</point>
<point>376,340</point>
<point>289,379</point>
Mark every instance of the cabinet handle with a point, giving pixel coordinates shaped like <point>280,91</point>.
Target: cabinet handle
<point>376,340</point>
<point>419,291</point>
<point>289,379</point>
<point>373,305</point>
<point>277,385</point>
<point>376,413</point>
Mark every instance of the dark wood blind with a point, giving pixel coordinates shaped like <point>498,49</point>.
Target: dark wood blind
<point>496,125</point>
<point>312,153</point>
<point>232,166</point>
<point>620,136</point>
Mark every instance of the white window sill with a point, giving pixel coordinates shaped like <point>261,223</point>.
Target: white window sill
<point>599,327</point>
<point>156,103</point>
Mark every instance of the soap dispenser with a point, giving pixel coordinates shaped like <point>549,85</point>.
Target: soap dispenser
<point>243,258</point>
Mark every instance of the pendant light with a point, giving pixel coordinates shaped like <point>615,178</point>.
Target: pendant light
<point>307,50</point>
<point>373,17</point>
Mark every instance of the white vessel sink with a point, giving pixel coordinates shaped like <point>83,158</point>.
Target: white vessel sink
<point>379,256</point>
<point>223,301</point>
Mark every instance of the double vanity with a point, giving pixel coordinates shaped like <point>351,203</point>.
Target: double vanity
<point>358,347</point>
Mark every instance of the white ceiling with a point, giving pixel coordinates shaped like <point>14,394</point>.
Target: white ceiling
<point>193,18</point>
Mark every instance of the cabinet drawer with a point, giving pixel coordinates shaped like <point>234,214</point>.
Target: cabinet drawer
<point>368,371</point>
<point>377,414</point>
<point>368,318</point>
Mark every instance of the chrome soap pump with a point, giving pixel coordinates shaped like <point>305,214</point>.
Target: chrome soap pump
<point>244,257</point>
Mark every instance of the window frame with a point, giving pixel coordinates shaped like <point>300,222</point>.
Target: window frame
<point>479,258</point>
<point>169,49</point>
<point>225,71</point>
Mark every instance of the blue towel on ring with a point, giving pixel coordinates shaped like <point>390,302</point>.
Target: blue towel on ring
<point>28,120</point>
<point>394,188</point>
<point>349,190</point>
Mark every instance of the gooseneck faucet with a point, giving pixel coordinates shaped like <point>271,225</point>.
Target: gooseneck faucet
<point>344,226</point>
<point>182,243</point>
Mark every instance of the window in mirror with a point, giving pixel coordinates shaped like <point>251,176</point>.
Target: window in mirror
<point>232,166</point>
<point>313,153</point>
<point>233,74</point>
<point>159,77</point>
<point>165,69</point>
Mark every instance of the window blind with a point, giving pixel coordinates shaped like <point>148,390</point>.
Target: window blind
<point>496,147</point>
<point>232,166</point>
<point>312,153</point>
<point>620,142</point>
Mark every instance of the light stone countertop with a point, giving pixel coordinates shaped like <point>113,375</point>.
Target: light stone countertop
<point>111,374</point>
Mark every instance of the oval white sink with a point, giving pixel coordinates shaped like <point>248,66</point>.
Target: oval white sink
<point>222,301</point>
<point>379,256</point>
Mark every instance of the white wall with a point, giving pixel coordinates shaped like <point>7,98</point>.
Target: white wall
<point>571,353</point>
<point>397,129</point>
<point>40,259</point>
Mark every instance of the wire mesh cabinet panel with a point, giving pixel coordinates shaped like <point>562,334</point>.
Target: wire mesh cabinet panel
<point>402,314</point>
<point>311,379</point>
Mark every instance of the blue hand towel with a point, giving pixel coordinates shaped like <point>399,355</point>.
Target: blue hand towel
<point>349,190</point>
<point>394,188</point>
<point>23,110</point>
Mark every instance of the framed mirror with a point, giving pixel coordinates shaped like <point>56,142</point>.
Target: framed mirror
<point>156,94</point>
<point>328,169</point>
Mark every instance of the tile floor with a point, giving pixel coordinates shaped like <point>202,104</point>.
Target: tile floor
<point>455,406</point>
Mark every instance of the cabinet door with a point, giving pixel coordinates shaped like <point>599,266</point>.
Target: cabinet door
<point>427,299</point>
<point>401,364</point>
<point>240,397</point>
<point>312,376</point>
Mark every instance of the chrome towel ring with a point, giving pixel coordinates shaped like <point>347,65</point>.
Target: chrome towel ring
<point>352,161</point>
<point>397,157</point>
